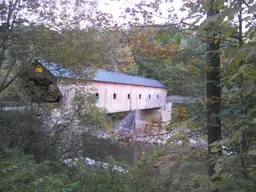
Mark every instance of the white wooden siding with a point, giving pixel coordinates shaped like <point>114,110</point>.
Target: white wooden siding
<point>121,103</point>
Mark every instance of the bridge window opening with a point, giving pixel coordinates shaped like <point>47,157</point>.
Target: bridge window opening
<point>128,96</point>
<point>114,96</point>
<point>139,96</point>
<point>149,96</point>
<point>97,96</point>
<point>157,96</point>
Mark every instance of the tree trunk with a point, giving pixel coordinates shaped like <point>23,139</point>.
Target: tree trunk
<point>213,89</point>
<point>242,143</point>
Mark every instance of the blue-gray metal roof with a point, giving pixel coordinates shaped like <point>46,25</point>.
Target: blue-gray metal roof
<point>58,70</point>
<point>100,75</point>
<point>113,77</point>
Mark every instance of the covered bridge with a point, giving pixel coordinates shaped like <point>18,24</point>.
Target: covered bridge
<point>115,92</point>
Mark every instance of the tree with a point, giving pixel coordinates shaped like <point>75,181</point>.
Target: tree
<point>230,67</point>
<point>213,83</point>
<point>44,30</point>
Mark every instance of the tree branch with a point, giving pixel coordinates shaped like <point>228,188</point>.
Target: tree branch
<point>8,28</point>
<point>248,6</point>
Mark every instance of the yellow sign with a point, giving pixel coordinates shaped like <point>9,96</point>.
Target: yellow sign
<point>39,69</point>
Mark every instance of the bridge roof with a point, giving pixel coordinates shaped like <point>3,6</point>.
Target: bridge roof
<point>100,75</point>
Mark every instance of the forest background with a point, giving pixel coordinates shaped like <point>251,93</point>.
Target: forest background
<point>208,53</point>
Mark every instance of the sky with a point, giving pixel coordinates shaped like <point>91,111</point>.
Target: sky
<point>116,8</point>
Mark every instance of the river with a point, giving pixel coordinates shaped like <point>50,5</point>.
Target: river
<point>99,149</point>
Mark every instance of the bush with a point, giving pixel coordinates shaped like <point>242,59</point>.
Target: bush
<point>22,173</point>
<point>25,131</point>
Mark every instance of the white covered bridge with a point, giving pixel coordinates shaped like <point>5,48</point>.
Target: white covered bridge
<point>120,92</point>
<point>115,92</point>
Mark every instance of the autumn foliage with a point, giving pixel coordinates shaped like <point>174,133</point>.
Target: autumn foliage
<point>146,43</point>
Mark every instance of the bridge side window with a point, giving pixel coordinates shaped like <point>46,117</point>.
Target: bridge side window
<point>157,96</point>
<point>128,96</point>
<point>97,96</point>
<point>139,96</point>
<point>114,96</point>
<point>149,96</point>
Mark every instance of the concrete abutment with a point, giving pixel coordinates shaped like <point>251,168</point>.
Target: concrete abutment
<point>152,119</point>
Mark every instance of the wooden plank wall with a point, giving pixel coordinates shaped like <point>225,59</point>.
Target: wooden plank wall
<point>121,103</point>
<point>68,92</point>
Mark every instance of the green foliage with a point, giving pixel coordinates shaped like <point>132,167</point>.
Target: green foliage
<point>22,173</point>
<point>30,156</point>
<point>235,170</point>
<point>85,109</point>
<point>174,72</point>
<point>12,93</point>
<point>54,33</point>
<point>21,133</point>
<point>23,130</point>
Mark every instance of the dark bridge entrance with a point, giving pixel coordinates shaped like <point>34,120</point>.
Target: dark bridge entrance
<point>42,90</point>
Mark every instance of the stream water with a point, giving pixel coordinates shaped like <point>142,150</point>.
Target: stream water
<point>99,149</point>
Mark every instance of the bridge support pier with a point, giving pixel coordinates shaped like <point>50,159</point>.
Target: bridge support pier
<point>152,118</point>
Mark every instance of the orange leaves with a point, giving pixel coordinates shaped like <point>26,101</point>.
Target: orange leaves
<point>145,43</point>
<point>142,153</point>
<point>223,60</point>
<point>139,35</point>
<point>125,144</point>
<point>208,69</point>
<point>113,36</point>
<point>193,71</point>
<point>180,114</point>
<point>125,58</point>
<point>196,61</point>
<point>156,51</point>
<point>125,55</point>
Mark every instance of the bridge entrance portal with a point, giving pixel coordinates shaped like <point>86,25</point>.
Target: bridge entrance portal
<point>42,90</point>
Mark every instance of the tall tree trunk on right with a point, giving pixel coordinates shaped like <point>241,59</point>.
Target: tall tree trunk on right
<point>213,87</point>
